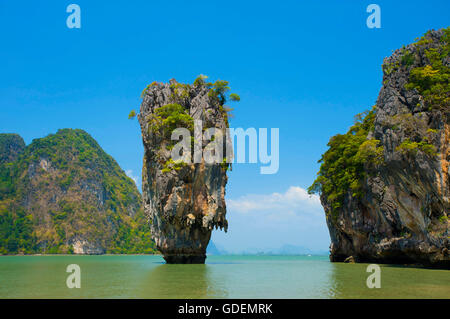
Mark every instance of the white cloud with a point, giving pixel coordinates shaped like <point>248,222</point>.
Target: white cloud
<point>294,199</point>
<point>272,220</point>
<point>131,175</point>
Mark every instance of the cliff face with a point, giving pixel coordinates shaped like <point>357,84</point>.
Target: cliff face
<point>64,194</point>
<point>184,201</point>
<point>396,208</point>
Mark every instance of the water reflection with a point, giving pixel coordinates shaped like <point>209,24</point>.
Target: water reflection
<point>181,281</point>
<point>223,277</point>
<point>349,281</point>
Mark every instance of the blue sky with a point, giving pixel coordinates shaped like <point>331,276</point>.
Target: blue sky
<point>306,67</point>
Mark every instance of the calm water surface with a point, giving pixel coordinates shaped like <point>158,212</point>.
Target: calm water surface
<point>221,277</point>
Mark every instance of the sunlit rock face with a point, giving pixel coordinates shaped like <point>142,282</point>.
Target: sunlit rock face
<point>403,213</point>
<point>184,202</point>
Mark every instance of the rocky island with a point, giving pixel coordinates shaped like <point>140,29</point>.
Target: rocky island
<point>384,184</point>
<point>62,194</point>
<point>184,200</point>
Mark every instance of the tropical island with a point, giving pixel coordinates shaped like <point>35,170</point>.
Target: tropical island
<point>384,184</point>
<point>62,194</point>
<point>185,198</point>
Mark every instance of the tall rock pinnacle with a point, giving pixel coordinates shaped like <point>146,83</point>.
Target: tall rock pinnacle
<point>184,200</point>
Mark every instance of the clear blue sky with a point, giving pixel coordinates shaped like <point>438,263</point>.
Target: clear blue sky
<point>306,67</point>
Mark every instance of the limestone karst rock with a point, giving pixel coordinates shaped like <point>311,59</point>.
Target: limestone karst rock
<point>63,194</point>
<point>388,200</point>
<point>184,201</point>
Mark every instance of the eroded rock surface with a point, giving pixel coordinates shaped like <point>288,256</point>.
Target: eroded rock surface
<point>184,202</point>
<point>402,215</point>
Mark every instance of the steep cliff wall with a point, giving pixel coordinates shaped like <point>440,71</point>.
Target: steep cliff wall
<point>184,201</point>
<point>385,184</point>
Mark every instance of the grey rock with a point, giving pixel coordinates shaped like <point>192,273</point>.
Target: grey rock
<point>403,215</point>
<point>183,205</point>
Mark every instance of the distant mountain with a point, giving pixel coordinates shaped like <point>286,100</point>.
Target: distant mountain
<point>293,250</point>
<point>64,194</point>
<point>212,249</point>
<point>284,250</point>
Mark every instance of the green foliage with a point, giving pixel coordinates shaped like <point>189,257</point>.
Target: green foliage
<point>407,147</point>
<point>225,166</point>
<point>180,92</point>
<point>11,146</point>
<point>235,97</point>
<point>370,151</point>
<point>132,115</point>
<point>200,80</point>
<point>83,193</point>
<point>16,232</point>
<point>144,91</point>
<point>169,117</point>
<point>343,164</point>
<point>173,165</point>
<point>218,91</point>
<point>432,80</point>
<point>408,59</point>
<point>7,186</point>
<point>388,68</point>
<point>133,237</point>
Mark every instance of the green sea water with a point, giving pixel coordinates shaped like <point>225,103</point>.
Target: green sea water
<point>121,276</point>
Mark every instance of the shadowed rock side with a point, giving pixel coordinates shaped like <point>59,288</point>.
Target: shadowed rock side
<point>184,202</point>
<point>397,209</point>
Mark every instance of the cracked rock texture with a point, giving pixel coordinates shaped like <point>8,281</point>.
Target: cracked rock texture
<point>186,204</point>
<point>402,216</point>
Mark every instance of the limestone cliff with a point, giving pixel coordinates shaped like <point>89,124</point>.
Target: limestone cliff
<point>64,194</point>
<point>183,199</point>
<point>385,184</point>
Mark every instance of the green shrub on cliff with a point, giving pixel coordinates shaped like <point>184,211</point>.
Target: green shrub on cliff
<point>169,117</point>
<point>234,97</point>
<point>132,114</point>
<point>200,80</point>
<point>170,165</point>
<point>432,80</point>
<point>342,168</point>
<point>407,58</point>
<point>407,147</point>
